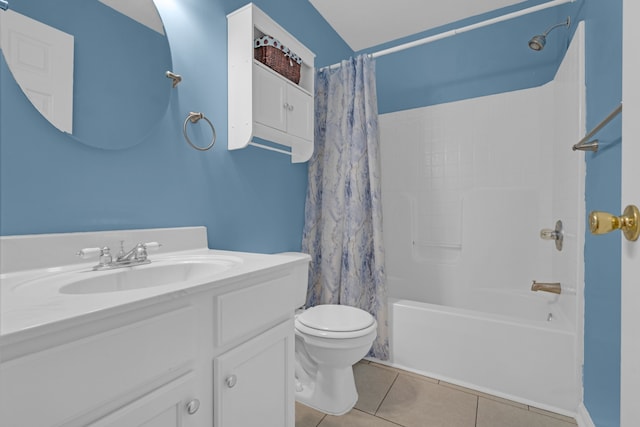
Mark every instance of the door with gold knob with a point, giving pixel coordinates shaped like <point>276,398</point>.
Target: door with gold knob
<point>630,273</point>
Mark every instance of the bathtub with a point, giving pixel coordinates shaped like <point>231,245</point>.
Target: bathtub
<point>523,350</point>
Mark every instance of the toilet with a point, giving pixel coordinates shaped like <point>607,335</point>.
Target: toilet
<point>329,339</point>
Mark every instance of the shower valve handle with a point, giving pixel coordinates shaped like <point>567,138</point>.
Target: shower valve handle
<point>549,234</point>
<point>556,234</point>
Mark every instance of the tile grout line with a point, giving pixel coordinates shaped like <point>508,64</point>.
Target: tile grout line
<point>382,418</point>
<point>385,395</point>
<point>550,414</point>
<point>477,410</point>
<point>389,421</point>
<point>321,419</point>
<point>474,393</point>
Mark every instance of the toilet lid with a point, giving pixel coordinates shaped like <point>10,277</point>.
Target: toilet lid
<point>337,318</point>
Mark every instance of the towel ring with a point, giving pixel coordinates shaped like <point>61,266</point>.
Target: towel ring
<point>194,118</point>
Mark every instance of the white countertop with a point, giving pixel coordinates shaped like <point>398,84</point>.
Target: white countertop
<point>30,299</point>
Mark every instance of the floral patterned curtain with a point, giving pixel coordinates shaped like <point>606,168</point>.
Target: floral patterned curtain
<point>343,211</point>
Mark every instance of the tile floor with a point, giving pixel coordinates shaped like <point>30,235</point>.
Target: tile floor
<point>391,397</point>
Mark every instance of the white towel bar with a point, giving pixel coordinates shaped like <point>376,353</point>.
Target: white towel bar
<point>266,147</point>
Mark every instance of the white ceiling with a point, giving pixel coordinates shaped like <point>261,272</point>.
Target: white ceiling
<point>366,23</point>
<point>143,11</point>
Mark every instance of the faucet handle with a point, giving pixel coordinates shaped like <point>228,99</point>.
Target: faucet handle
<point>141,249</point>
<point>122,252</point>
<point>152,245</point>
<point>90,252</point>
<point>104,254</point>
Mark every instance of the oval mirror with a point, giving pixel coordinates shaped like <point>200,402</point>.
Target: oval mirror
<point>96,69</point>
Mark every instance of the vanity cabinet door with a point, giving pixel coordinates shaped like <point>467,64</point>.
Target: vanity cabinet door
<point>253,383</point>
<point>82,380</point>
<point>172,405</point>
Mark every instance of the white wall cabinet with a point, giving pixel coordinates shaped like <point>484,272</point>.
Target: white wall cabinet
<point>262,103</point>
<point>281,106</point>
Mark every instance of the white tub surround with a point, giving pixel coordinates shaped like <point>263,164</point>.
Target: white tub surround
<point>467,187</point>
<point>190,352</point>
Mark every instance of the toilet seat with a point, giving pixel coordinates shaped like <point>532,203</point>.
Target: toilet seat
<point>335,321</point>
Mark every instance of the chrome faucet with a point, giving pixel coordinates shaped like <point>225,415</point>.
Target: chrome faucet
<point>136,256</point>
<point>554,288</point>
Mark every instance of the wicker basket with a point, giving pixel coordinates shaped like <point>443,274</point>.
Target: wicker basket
<point>274,55</point>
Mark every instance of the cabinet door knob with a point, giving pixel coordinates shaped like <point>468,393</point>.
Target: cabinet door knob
<point>193,406</point>
<point>290,107</point>
<point>231,381</point>
<point>286,105</point>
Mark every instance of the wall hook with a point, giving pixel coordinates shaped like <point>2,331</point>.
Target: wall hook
<point>177,78</point>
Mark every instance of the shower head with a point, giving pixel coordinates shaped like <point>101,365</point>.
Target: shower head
<point>537,42</point>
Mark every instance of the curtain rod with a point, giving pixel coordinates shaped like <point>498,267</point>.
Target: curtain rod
<point>584,144</point>
<point>464,29</point>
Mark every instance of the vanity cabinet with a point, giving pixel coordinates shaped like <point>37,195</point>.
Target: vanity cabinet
<point>222,357</point>
<point>82,374</point>
<point>169,406</point>
<point>263,103</point>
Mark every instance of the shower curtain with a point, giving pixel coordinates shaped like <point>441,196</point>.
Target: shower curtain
<point>343,211</point>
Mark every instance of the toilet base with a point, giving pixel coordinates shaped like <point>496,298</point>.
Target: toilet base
<point>333,391</point>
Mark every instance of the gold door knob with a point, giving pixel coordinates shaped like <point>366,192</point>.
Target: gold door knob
<point>628,222</point>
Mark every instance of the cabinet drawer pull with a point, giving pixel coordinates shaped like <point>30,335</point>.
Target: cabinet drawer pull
<point>231,381</point>
<point>193,406</point>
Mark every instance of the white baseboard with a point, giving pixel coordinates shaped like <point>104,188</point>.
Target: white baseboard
<point>583,418</point>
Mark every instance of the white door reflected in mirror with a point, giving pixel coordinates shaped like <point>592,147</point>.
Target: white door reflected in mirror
<point>117,68</point>
<point>41,60</point>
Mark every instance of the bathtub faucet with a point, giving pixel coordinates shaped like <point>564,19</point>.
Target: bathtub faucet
<point>554,288</point>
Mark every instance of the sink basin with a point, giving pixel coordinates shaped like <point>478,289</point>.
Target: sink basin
<point>157,273</point>
<point>145,276</point>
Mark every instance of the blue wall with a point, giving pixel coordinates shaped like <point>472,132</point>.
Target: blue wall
<point>250,199</point>
<point>480,62</point>
<point>253,200</point>
<point>603,253</point>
